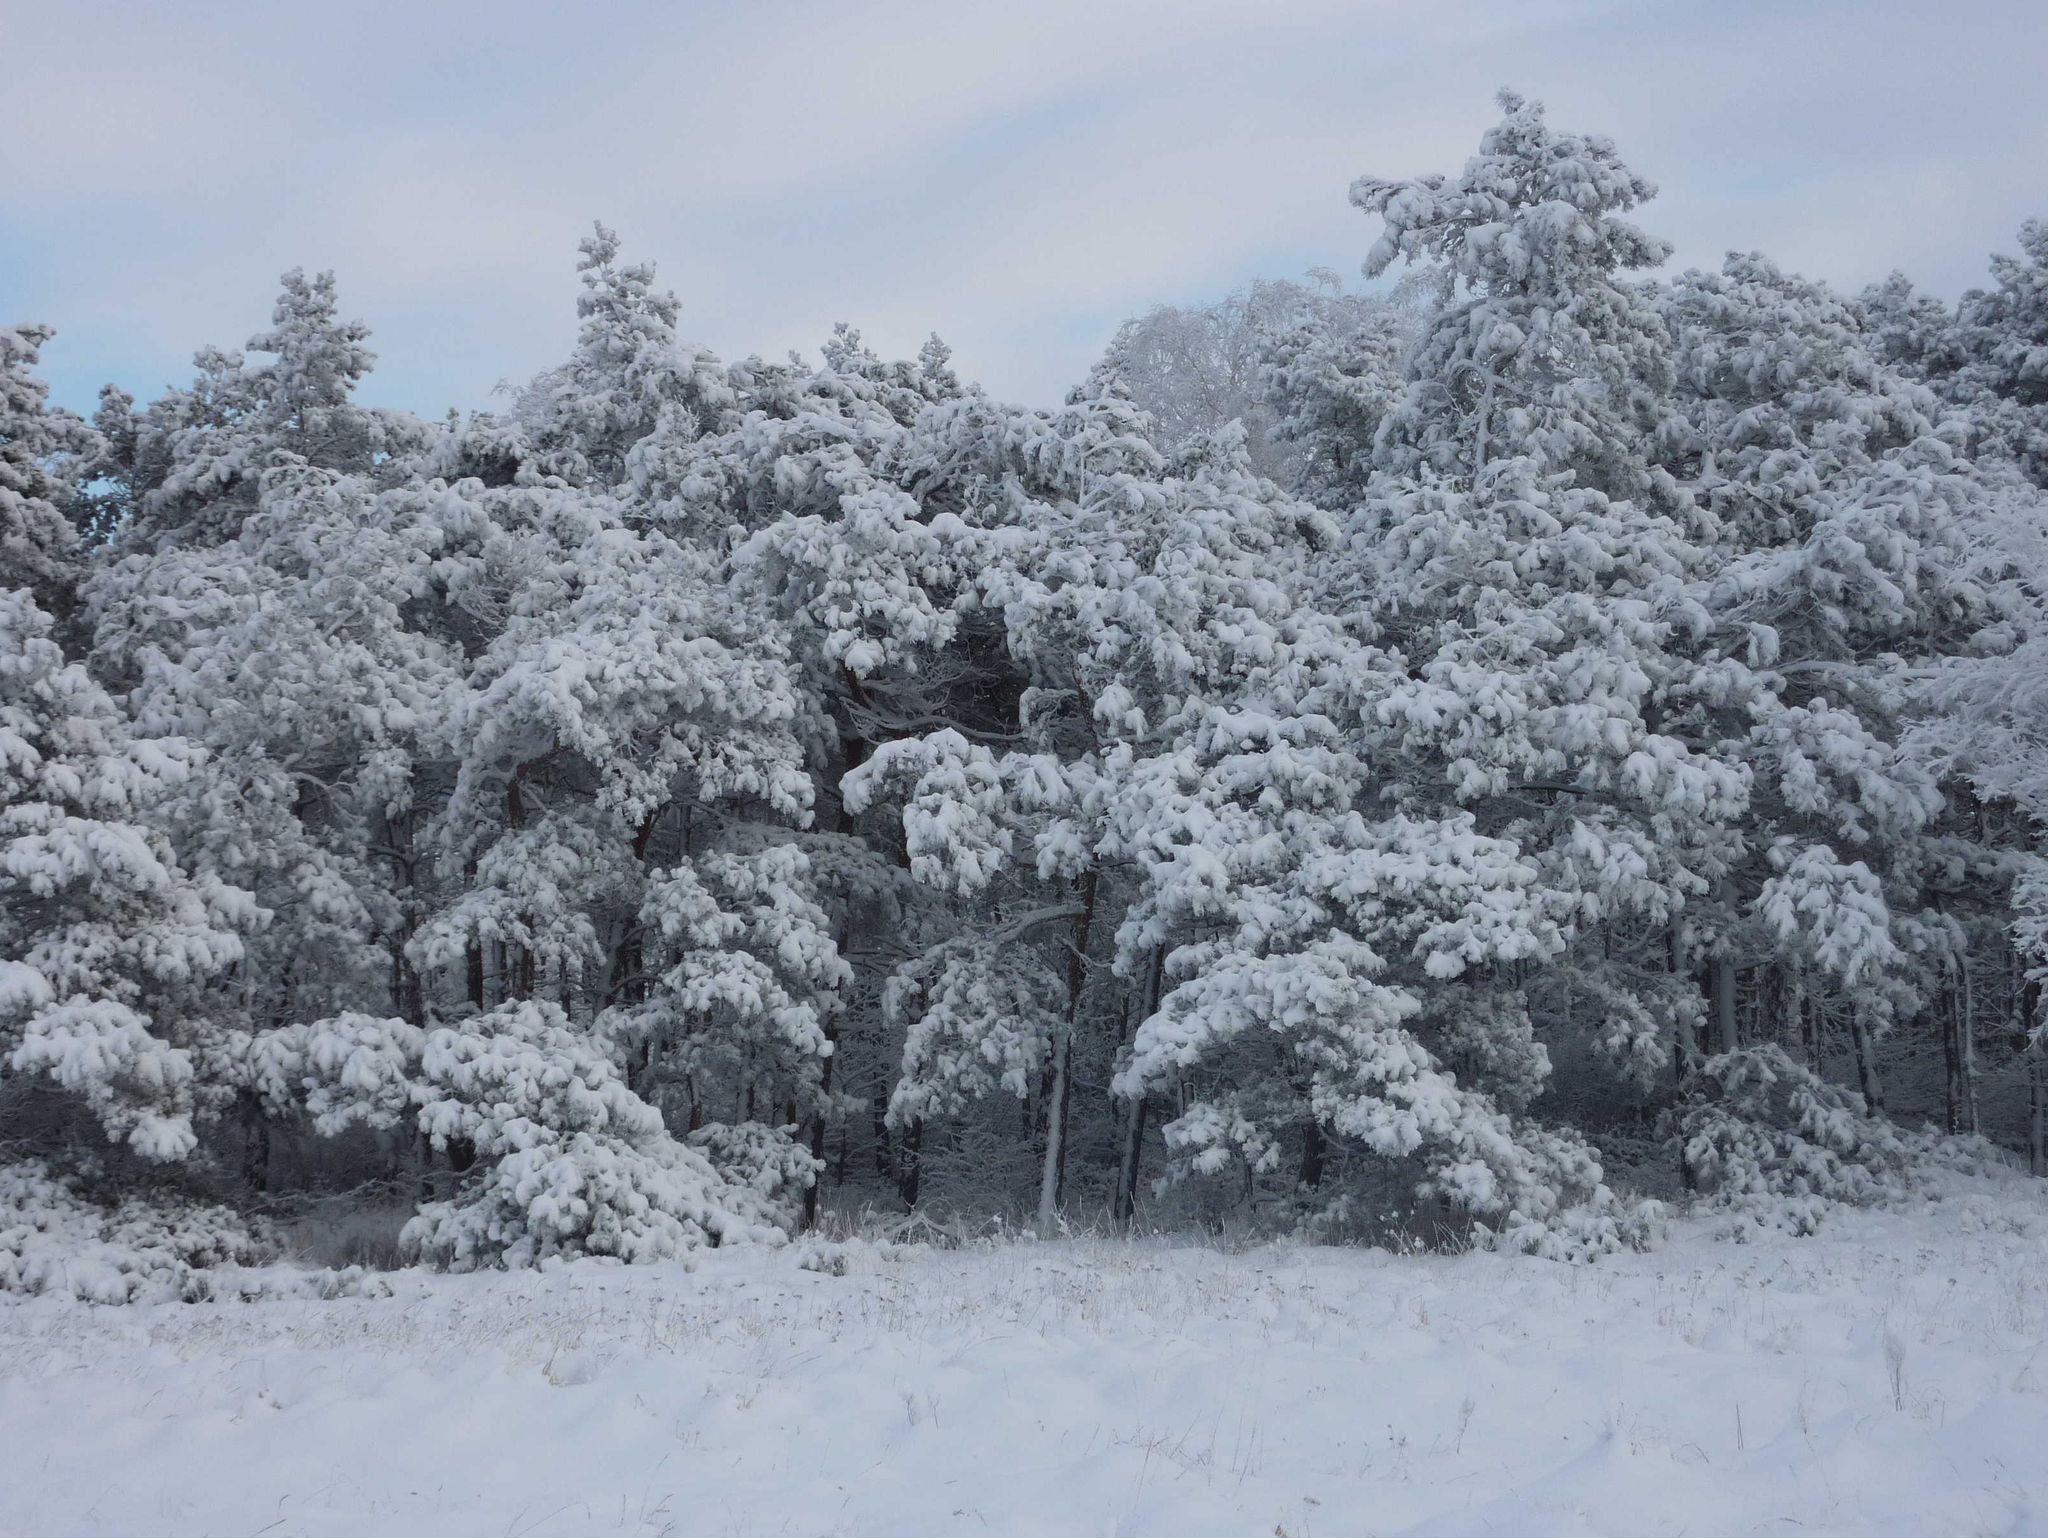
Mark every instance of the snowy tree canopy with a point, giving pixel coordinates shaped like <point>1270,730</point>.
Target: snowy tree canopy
<point>1464,757</point>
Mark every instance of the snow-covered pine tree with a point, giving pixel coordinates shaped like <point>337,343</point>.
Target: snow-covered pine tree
<point>262,597</point>
<point>1006,814</point>
<point>627,740</point>
<point>857,504</point>
<point>39,547</point>
<point>1910,330</point>
<point>288,650</point>
<point>109,948</point>
<point>1842,509</point>
<point>1171,769</point>
<point>630,382</point>
<point>1530,571</point>
<point>190,465</point>
<point>1539,347</point>
<point>1982,719</point>
<point>1999,351</point>
<point>560,1157</point>
<point>1329,380</point>
<point>1305,369</point>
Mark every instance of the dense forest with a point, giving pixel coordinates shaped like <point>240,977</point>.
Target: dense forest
<point>1470,757</point>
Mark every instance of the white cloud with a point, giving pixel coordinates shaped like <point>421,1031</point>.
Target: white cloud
<point>1015,177</point>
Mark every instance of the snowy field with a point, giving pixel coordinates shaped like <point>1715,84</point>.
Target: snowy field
<point>1887,1377</point>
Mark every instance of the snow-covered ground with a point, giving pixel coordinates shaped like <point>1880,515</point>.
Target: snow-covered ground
<point>1887,1377</point>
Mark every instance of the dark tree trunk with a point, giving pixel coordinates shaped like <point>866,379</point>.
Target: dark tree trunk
<point>2037,1113</point>
<point>1866,1062</point>
<point>1966,1036</point>
<point>1687,1056</point>
<point>408,991</point>
<point>913,1170</point>
<point>1809,1030</point>
<point>1124,1200</point>
<point>885,1151</point>
<point>1721,1004</point>
<point>818,1136</point>
<point>521,980</point>
<point>824,1108</point>
<point>255,1145</point>
<point>1952,1063</point>
<point>627,985</point>
<point>1125,1209</point>
<point>1052,1180</point>
<point>1312,1149</point>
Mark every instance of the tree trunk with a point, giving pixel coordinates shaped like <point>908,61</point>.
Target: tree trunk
<point>1123,1201</point>
<point>885,1154</point>
<point>1052,1178</point>
<point>1809,1030</point>
<point>1312,1147</point>
<point>1866,1062</point>
<point>1951,1063</point>
<point>824,1104</point>
<point>521,978</point>
<point>913,1171</point>
<point>1055,1132</point>
<point>626,982</point>
<point>1966,1029</point>
<point>1687,1057</point>
<point>2037,1112</point>
<point>818,1131</point>
<point>1721,1001</point>
<point>1717,983</point>
<point>408,992</point>
<point>405,978</point>
<point>255,1145</point>
<point>1721,983</point>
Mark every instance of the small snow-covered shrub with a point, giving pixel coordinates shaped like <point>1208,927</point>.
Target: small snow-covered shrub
<point>517,1076</point>
<point>587,1194</point>
<point>577,1163</point>
<point>766,1160</point>
<point>1606,1224</point>
<point>1930,1152</point>
<point>350,1070</point>
<point>824,1256</point>
<point>841,1257</point>
<point>569,1160</point>
<point>1766,1137</point>
<point>53,1239</point>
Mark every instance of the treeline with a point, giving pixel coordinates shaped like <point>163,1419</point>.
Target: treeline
<point>1360,759</point>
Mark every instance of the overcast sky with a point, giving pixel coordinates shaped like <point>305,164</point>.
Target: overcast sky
<point>1017,177</point>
